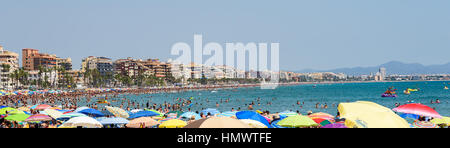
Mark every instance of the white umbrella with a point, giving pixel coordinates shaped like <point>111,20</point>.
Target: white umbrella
<point>53,113</point>
<point>118,112</point>
<point>86,122</point>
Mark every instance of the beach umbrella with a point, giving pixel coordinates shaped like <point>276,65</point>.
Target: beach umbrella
<point>34,106</point>
<point>253,123</point>
<point>12,112</point>
<point>288,113</point>
<point>365,114</point>
<point>38,117</point>
<point>217,122</point>
<point>173,123</point>
<point>443,120</point>
<point>274,124</point>
<point>136,110</point>
<point>297,121</point>
<point>212,111</point>
<point>252,115</point>
<point>113,120</point>
<point>17,117</point>
<point>43,106</point>
<point>335,125</point>
<point>92,112</point>
<point>71,115</point>
<point>143,114</point>
<point>160,114</point>
<point>2,106</point>
<point>227,114</point>
<point>322,116</point>
<point>6,109</point>
<point>24,109</point>
<point>424,124</point>
<point>418,109</point>
<point>321,121</point>
<point>177,113</point>
<point>118,112</point>
<point>142,122</point>
<point>80,109</point>
<point>412,116</point>
<point>86,122</point>
<point>53,113</point>
<point>190,114</point>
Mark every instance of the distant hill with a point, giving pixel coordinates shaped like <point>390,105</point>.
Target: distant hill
<point>394,67</point>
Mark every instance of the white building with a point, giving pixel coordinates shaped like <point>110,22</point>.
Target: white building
<point>9,62</point>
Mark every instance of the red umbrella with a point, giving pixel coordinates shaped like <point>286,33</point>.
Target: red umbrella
<point>43,106</point>
<point>38,117</point>
<point>418,109</point>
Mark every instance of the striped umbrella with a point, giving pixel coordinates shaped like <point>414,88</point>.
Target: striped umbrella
<point>322,115</point>
<point>424,124</point>
<point>321,121</point>
<point>38,117</point>
<point>43,106</point>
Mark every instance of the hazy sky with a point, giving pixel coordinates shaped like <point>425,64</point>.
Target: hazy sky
<point>318,34</point>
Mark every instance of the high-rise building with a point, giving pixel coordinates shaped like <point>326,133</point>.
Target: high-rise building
<point>32,59</point>
<point>102,64</point>
<point>382,72</point>
<point>9,61</point>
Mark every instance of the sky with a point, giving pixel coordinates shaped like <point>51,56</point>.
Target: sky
<point>316,34</point>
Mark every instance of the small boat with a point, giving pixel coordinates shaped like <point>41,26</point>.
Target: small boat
<point>388,95</point>
<point>446,88</point>
<point>409,89</point>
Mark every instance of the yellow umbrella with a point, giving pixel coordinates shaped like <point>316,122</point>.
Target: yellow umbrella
<point>173,123</point>
<point>364,114</point>
<point>443,120</point>
<point>24,109</point>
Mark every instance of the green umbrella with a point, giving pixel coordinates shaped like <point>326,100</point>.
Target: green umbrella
<point>160,114</point>
<point>297,121</point>
<point>6,109</point>
<point>17,117</point>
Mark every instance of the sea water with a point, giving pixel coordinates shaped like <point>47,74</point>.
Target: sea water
<point>285,98</point>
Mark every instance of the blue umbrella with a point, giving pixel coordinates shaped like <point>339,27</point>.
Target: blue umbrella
<point>253,116</point>
<point>190,114</point>
<point>210,110</point>
<point>92,112</point>
<point>412,116</point>
<point>114,120</point>
<point>3,106</point>
<point>81,108</point>
<point>143,114</point>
